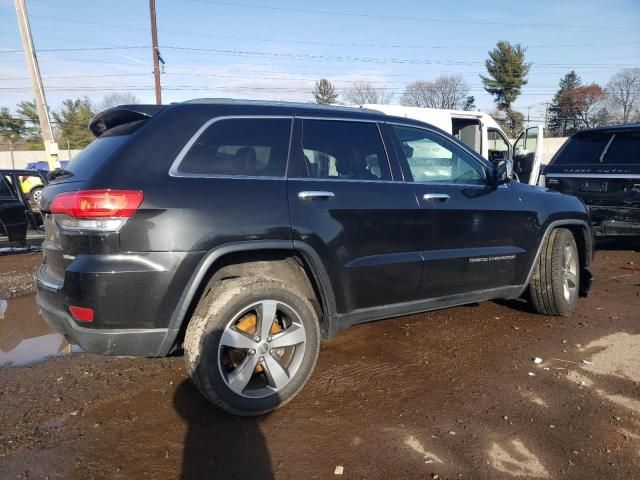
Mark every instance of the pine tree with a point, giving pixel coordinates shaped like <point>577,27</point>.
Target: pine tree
<point>563,112</point>
<point>73,122</point>
<point>324,92</point>
<point>507,74</point>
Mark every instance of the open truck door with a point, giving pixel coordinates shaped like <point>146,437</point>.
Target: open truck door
<point>527,155</point>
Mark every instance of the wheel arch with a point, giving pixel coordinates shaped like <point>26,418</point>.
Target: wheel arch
<point>231,260</point>
<point>582,233</point>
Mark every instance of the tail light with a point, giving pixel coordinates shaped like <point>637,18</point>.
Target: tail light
<point>81,314</point>
<point>95,210</point>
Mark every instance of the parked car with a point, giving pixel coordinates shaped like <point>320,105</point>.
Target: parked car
<point>21,210</point>
<point>480,132</point>
<point>32,185</point>
<point>602,167</point>
<point>247,231</point>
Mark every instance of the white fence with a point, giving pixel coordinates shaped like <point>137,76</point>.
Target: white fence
<point>22,157</point>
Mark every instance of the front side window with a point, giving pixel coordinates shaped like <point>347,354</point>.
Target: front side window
<point>256,147</point>
<point>433,158</point>
<point>341,150</point>
<point>498,146</point>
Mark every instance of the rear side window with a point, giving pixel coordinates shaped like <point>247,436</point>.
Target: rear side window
<point>624,149</point>
<point>341,150</point>
<point>583,149</point>
<point>256,147</point>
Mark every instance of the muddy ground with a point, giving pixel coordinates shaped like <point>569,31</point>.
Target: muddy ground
<point>448,394</point>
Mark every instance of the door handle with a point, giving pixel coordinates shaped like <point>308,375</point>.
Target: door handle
<point>435,197</point>
<point>311,195</point>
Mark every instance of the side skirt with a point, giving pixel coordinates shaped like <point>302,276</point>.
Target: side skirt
<point>388,311</point>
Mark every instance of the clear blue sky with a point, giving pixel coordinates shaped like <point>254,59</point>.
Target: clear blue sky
<point>276,50</point>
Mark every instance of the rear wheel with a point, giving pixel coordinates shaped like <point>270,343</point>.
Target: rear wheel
<point>252,344</point>
<point>556,279</point>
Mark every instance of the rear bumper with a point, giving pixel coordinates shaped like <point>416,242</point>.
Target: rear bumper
<point>133,298</point>
<point>117,341</point>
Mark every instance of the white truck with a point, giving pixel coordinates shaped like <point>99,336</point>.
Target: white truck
<point>482,133</point>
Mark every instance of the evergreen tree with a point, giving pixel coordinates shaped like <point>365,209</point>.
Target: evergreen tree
<point>324,92</point>
<point>73,122</point>
<point>507,74</point>
<point>28,113</point>
<point>563,112</point>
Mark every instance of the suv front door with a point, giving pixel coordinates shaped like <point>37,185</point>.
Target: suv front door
<point>471,233</point>
<point>345,204</point>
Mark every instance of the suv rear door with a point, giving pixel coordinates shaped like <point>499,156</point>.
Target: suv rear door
<point>346,205</point>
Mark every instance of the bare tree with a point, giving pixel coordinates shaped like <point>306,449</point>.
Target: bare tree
<point>115,99</point>
<point>446,91</point>
<point>624,92</point>
<point>363,92</point>
<point>324,92</point>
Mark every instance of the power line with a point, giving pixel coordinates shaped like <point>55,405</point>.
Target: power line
<point>80,49</point>
<point>393,17</point>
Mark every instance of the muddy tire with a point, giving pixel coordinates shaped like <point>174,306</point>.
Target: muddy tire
<point>555,283</point>
<point>252,344</point>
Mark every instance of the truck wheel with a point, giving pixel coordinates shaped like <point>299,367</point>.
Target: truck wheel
<point>252,344</point>
<point>556,279</point>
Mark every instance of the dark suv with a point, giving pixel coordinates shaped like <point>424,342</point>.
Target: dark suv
<point>602,167</point>
<point>246,232</point>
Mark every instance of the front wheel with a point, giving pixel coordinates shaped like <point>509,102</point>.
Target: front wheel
<point>252,344</point>
<point>556,279</point>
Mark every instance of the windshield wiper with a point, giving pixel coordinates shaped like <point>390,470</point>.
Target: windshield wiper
<point>59,173</point>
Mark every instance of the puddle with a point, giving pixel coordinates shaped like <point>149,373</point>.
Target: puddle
<point>24,336</point>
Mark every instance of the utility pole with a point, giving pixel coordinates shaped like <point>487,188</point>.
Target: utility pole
<point>156,53</point>
<point>50,146</point>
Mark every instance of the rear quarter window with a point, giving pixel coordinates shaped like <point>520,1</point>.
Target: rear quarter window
<point>256,147</point>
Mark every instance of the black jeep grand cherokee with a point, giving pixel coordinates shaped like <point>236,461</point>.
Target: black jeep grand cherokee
<point>247,231</point>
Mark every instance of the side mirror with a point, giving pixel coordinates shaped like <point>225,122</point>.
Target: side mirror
<point>502,172</point>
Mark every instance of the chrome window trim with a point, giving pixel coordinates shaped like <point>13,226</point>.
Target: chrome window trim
<point>334,179</point>
<point>463,146</point>
<point>174,169</point>
<point>593,175</point>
